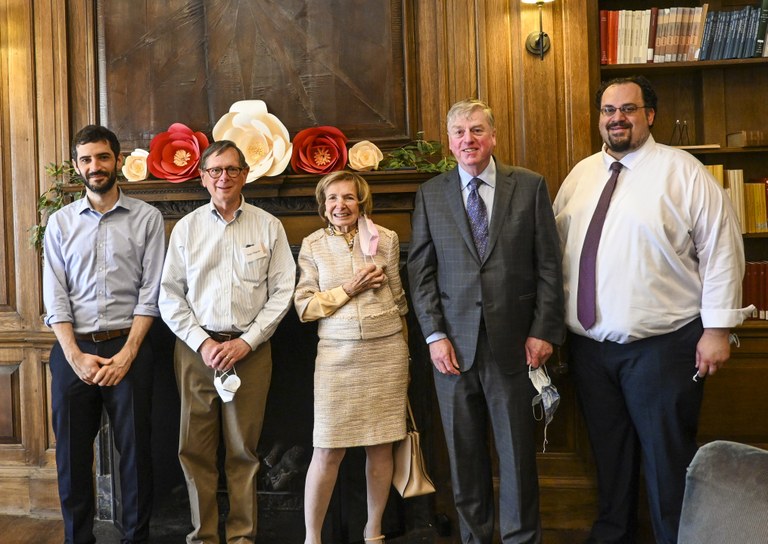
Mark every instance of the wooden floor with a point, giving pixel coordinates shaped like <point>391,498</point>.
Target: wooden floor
<point>25,530</point>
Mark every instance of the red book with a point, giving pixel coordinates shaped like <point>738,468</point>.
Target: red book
<point>652,33</point>
<point>613,36</point>
<point>603,36</point>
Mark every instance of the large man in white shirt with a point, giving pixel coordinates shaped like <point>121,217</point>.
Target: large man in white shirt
<point>227,282</point>
<point>655,311</point>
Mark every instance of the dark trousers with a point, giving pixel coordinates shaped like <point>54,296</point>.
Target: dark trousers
<point>77,409</point>
<point>640,403</point>
<point>468,403</point>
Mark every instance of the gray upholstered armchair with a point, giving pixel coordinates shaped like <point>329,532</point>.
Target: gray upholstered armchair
<point>726,496</point>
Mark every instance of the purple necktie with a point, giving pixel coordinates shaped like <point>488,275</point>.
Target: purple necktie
<point>478,216</point>
<point>585,302</point>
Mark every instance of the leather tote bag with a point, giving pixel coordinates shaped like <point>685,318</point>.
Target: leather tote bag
<point>410,476</point>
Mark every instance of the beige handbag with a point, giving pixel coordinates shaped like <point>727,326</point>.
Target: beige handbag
<point>410,476</point>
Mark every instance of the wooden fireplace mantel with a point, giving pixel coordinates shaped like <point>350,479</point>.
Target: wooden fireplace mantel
<point>289,197</point>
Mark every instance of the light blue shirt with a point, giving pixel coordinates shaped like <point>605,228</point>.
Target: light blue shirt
<point>102,269</point>
<point>487,189</point>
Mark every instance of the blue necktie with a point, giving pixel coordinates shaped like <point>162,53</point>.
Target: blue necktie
<point>478,217</point>
<point>585,299</point>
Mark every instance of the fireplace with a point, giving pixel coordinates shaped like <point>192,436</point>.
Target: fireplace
<point>286,442</point>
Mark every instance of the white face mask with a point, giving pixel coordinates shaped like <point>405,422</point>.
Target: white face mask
<point>226,384</point>
<point>548,398</point>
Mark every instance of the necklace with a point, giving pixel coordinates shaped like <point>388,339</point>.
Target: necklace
<point>349,237</point>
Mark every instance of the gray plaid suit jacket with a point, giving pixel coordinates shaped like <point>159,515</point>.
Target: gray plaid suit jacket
<point>517,287</point>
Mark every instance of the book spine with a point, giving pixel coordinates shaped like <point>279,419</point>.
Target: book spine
<point>661,36</point>
<point>686,28</point>
<point>706,39</point>
<point>652,29</point>
<point>695,33</point>
<point>603,36</point>
<point>747,297</point>
<point>762,291</point>
<point>673,35</point>
<point>696,47</point>
<point>762,29</point>
<point>613,36</point>
<point>718,42</point>
<point>750,34</point>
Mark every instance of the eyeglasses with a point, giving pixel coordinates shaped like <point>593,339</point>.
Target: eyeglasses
<point>626,109</point>
<point>215,172</point>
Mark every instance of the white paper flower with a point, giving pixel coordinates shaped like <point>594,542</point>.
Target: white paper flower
<point>135,165</point>
<point>365,155</point>
<point>261,137</point>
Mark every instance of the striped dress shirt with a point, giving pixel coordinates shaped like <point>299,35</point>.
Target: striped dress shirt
<point>236,276</point>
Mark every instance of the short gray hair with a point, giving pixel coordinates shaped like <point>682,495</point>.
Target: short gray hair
<point>465,108</point>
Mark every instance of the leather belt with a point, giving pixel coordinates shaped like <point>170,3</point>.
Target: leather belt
<point>223,336</point>
<point>103,336</point>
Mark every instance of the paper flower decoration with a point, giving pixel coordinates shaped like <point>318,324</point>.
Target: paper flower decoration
<point>365,156</point>
<point>175,155</point>
<point>261,137</point>
<point>135,165</point>
<point>319,150</point>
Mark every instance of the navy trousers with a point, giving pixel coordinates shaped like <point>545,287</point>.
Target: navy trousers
<point>77,409</point>
<point>640,404</point>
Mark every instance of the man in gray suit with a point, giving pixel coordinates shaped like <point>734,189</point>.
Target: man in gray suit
<point>486,284</point>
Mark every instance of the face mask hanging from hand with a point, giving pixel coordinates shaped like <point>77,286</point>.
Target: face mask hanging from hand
<point>226,383</point>
<point>546,401</point>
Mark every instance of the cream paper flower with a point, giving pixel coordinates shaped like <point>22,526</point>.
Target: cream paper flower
<point>364,156</point>
<point>135,165</point>
<point>261,137</point>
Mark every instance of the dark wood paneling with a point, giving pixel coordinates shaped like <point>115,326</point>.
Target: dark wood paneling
<point>9,405</point>
<point>312,62</point>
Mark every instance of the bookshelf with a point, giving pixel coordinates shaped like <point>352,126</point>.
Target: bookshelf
<point>713,98</point>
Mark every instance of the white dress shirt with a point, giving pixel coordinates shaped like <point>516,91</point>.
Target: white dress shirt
<point>670,251</point>
<point>236,276</point>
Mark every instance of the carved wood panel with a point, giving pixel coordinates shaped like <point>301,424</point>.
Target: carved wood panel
<point>10,418</point>
<point>313,62</point>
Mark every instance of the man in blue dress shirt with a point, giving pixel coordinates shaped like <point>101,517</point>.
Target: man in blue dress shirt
<point>103,261</point>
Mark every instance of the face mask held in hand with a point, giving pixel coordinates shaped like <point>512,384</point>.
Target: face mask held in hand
<point>546,402</point>
<point>226,384</point>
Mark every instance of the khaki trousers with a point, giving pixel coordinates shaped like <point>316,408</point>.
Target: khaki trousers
<point>204,418</point>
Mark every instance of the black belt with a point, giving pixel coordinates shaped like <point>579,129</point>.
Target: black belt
<point>103,336</point>
<point>223,336</point>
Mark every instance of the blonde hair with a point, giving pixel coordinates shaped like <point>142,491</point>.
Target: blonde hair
<point>364,198</point>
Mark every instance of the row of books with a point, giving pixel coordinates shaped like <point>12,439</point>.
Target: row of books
<point>755,288</point>
<point>750,200</point>
<point>680,34</point>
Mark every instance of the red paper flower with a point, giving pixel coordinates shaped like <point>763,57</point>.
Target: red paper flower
<point>175,155</point>
<point>319,150</point>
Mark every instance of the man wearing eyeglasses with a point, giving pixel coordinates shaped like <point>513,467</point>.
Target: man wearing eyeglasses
<point>653,261</point>
<point>227,282</point>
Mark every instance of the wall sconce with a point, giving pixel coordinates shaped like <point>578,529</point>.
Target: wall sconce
<point>537,43</point>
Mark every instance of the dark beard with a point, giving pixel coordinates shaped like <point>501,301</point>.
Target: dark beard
<point>621,146</point>
<point>103,188</point>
